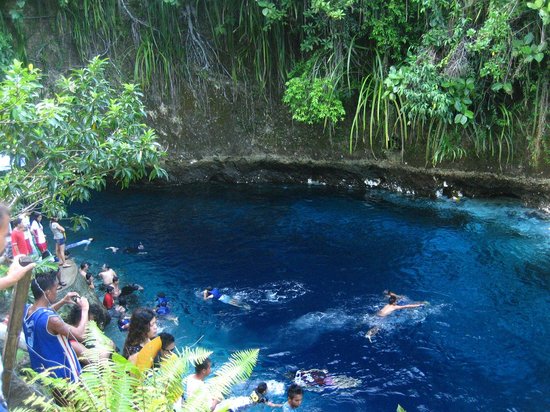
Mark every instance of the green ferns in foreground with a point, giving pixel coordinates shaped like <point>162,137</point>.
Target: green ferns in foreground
<point>117,385</point>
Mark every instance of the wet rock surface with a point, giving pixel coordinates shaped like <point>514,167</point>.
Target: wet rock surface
<point>534,192</point>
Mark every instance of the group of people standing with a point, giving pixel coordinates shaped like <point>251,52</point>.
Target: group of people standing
<point>28,234</point>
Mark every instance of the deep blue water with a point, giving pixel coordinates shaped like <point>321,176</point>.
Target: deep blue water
<point>313,262</point>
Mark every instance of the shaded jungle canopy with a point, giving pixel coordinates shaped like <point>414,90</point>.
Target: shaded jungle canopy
<point>457,79</point>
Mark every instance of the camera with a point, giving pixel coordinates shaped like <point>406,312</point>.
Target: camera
<point>75,298</point>
<point>25,260</point>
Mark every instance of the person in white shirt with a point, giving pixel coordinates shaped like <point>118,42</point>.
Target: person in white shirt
<point>194,384</point>
<point>37,231</point>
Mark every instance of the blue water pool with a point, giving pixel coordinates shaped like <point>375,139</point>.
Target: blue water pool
<point>313,262</point>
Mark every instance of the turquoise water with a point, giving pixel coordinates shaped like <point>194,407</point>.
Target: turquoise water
<point>313,262</point>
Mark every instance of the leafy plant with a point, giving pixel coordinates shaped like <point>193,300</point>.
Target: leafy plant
<point>460,91</point>
<point>115,384</point>
<point>313,100</point>
<point>66,144</point>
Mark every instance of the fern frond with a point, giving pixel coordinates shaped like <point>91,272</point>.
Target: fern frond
<point>236,370</point>
<point>196,355</point>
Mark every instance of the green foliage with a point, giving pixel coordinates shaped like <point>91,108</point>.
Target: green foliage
<point>447,67</point>
<point>391,25</point>
<point>460,92</point>
<point>6,50</point>
<point>115,384</point>
<point>313,100</point>
<point>64,145</point>
<point>526,50</point>
<point>543,8</point>
<point>419,85</point>
<point>7,53</point>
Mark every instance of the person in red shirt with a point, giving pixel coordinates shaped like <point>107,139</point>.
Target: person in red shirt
<point>18,243</point>
<point>108,300</point>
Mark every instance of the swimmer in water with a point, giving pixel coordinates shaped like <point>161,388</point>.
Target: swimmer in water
<point>313,377</point>
<point>317,379</point>
<point>214,293</point>
<point>392,306</point>
<point>139,250</point>
<point>240,403</point>
<point>162,308</point>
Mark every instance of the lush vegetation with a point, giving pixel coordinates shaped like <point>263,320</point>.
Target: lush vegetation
<point>454,78</point>
<point>66,143</point>
<point>115,384</point>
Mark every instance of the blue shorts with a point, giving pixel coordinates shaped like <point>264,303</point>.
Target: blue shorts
<point>60,241</point>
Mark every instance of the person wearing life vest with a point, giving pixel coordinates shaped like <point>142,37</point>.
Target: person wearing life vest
<point>162,307</point>
<point>241,403</point>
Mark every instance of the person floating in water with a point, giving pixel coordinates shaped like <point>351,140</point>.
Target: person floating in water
<point>318,379</point>
<point>312,377</point>
<point>241,403</point>
<point>392,305</point>
<point>214,293</point>
<point>123,322</point>
<point>132,250</point>
<point>85,242</point>
<point>130,288</point>
<point>137,250</point>
<point>162,308</point>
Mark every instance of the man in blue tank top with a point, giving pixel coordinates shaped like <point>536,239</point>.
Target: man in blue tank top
<point>47,334</point>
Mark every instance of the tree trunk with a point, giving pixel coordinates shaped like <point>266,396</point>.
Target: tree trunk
<point>17,309</point>
<point>541,126</point>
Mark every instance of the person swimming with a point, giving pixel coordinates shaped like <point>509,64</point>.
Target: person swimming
<point>85,242</point>
<point>135,250</point>
<point>132,250</point>
<point>239,403</point>
<point>161,303</point>
<point>392,306</point>
<point>313,377</point>
<point>214,293</point>
<point>130,288</point>
<point>162,308</point>
<point>319,379</point>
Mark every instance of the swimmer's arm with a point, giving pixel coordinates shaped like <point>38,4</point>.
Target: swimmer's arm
<point>205,295</point>
<point>274,405</point>
<point>412,305</point>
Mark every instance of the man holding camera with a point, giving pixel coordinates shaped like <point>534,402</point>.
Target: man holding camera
<point>47,334</point>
